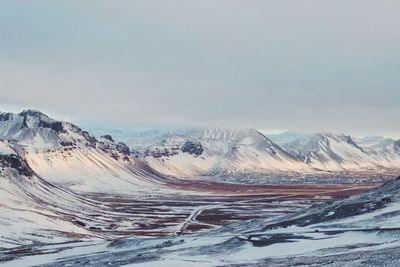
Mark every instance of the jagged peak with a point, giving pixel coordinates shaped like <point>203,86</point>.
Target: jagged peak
<point>25,114</point>
<point>108,137</point>
<point>31,123</point>
<point>32,112</point>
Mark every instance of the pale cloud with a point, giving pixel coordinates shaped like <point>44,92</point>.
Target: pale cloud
<point>303,65</point>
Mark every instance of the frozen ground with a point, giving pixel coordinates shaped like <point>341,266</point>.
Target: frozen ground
<point>328,248</point>
<point>362,230</point>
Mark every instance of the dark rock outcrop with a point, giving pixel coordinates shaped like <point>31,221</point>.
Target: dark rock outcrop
<point>17,163</point>
<point>193,148</point>
<point>56,126</point>
<point>5,116</point>
<point>159,153</point>
<point>123,149</point>
<point>108,137</point>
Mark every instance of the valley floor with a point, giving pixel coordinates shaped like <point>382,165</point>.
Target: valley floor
<point>173,216</point>
<point>199,206</point>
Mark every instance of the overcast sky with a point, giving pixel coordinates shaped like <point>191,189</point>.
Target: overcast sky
<point>285,64</point>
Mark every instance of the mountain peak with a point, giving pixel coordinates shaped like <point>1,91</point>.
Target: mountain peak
<point>34,119</point>
<point>32,112</point>
<point>32,126</point>
<point>108,137</point>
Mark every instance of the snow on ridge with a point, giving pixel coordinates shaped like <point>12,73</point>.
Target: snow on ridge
<point>203,151</point>
<point>225,151</point>
<point>245,150</point>
<point>5,149</point>
<point>66,155</point>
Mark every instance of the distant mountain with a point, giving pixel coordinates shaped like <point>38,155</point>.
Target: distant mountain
<point>228,152</point>
<point>220,151</point>
<point>139,138</point>
<point>329,152</point>
<point>287,137</point>
<point>376,143</point>
<point>291,139</point>
<point>66,154</point>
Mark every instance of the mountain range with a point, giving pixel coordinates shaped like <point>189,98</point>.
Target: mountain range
<point>60,184</point>
<point>244,152</point>
<point>61,150</point>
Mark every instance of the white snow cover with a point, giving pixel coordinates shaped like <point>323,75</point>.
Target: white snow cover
<point>225,151</point>
<point>359,237</point>
<point>5,148</point>
<point>25,128</point>
<point>68,156</point>
<point>88,169</point>
<point>22,216</point>
<point>242,151</point>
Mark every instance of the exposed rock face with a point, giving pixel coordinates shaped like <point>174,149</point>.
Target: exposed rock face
<point>91,140</point>
<point>159,153</point>
<point>66,143</point>
<point>17,163</point>
<point>108,137</point>
<point>5,116</point>
<point>123,149</point>
<point>42,120</point>
<point>115,150</point>
<point>193,148</point>
<point>56,126</point>
<point>31,124</point>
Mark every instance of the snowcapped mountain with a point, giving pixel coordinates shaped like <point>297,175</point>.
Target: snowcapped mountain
<point>220,151</point>
<point>140,137</point>
<point>333,152</point>
<point>376,143</point>
<point>51,173</point>
<point>330,152</point>
<point>287,137</point>
<point>66,155</point>
<point>229,152</point>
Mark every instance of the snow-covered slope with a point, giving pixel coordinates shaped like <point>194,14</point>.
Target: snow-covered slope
<point>330,152</point>
<point>66,155</point>
<point>5,149</point>
<point>287,137</point>
<point>33,210</point>
<point>362,230</point>
<point>30,208</point>
<point>376,143</point>
<point>335,153</point>
<point>220,151</point>
<point>227,152</point>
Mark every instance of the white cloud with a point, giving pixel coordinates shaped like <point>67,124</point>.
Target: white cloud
<point>305,65</point>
